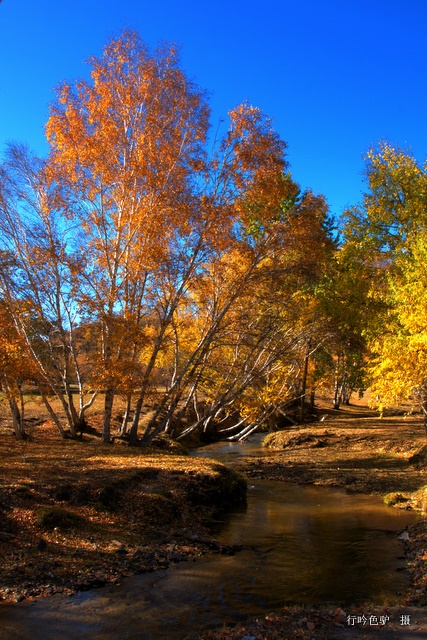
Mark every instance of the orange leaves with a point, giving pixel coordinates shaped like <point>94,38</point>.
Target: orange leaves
<point>15,367</point>
<point>257,146</point>
<point>166,252</point>
<point>249,166</point>
<point>134,132</point>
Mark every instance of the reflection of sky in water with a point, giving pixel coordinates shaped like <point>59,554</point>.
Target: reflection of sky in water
<point>230,450</point>
<point>304,545</point>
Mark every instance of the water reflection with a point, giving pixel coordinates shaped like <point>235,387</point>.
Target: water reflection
<point>317,545</point>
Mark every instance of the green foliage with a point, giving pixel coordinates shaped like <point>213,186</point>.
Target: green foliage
<point>387,238</point>
<point>345,303</point>
<point>393,208</point>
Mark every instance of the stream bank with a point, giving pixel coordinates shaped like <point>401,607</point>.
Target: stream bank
<point>302,544</point>
<point>356,452</point>
<point>75,516</point>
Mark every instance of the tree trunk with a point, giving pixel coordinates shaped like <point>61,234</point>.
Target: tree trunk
<point>17,418</point>
<point>346,398</point>
<point>304,385</point>
<point>108,410</point>
<point>424,408</point>
<point>337,396</point>
<point>18,427</point>
<point>53,415</point>
<point>271,423</point>
<point>123,428</point>
<point>133,433</point>
<point>312,398</point>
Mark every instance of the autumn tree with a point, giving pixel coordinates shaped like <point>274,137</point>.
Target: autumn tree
<point>350,314</point>
<point>399,367</point>
<point>126,152</point>
<point>249,163</point>
<point>16,368</point>
<point>387,234</point>
<point>38,280</point>
<point>393,208</point>
<point>309,246</point>
<point>253,365</point>
<point>146,260</point>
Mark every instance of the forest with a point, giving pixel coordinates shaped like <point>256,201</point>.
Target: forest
<point>155,258</point>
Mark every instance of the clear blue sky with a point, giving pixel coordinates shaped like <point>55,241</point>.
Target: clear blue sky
<point>334,76</point>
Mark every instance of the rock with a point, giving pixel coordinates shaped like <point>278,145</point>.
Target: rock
<point>340,616</point>
<point>116,543</point>
<point>42,544</point>
<point>177,558</point>
<point>144,569</point>
<point>163,563</point>
<point>97,582</point>
<point>227,551</point>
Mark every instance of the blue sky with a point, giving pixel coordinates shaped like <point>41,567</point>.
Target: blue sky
<point>335,77</point>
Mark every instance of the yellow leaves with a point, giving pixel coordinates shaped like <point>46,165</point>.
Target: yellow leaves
<point>394,206</point>
<point>387,236</point>
<point>401,364</point>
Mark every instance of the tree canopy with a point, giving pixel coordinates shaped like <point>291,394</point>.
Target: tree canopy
<point>145,259</point>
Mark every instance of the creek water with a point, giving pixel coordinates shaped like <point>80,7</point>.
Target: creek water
<point>303,545</point>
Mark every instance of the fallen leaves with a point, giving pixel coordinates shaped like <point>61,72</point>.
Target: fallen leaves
<point>129,513</point>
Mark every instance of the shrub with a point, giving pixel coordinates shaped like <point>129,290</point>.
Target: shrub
<point>52,517</point>
<point>391,499</point>
<point>159,509</point>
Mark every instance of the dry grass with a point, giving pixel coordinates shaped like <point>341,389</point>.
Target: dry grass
<point>353,448</point>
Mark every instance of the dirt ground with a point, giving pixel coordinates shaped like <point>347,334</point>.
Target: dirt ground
<point>358,451</point>
<point>76,515</point>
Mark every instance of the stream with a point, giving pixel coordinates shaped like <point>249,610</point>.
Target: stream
<point>303,545</point>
